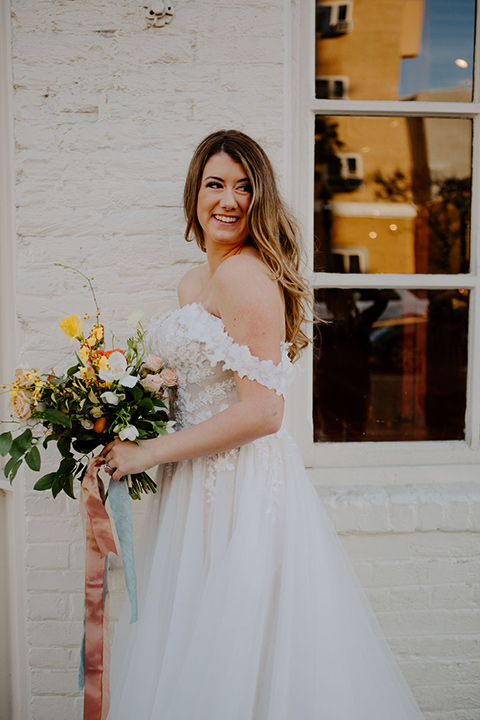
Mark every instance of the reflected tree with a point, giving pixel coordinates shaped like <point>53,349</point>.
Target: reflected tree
<point>327,165</point>
<point>443,218</point>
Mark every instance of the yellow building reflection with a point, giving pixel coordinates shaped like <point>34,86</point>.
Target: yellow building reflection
<point>392,194</point>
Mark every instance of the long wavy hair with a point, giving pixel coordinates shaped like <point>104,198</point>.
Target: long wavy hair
<point>273,230</point>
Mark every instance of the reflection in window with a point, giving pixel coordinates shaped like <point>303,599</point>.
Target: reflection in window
<point>331,87</point>
<point>333,19</point>
<point>425,48</point>
<point>398,187</point>
<point>390,365</point>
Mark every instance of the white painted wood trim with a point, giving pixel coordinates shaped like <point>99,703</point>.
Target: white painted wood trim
<point>8,355</point>
<point>394,108</point>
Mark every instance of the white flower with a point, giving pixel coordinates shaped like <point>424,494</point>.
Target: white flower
<point>169,428</point>
<point>117,370</point>
<point>86,424</point>
<point>111,398</point>
<point>128,433</point>
<point>135,318</point>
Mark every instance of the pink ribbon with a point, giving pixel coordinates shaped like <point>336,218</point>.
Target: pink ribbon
<point>99,542</point>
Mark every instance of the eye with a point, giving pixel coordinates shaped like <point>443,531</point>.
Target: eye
<point>247,188</point>
<point>213,184</point>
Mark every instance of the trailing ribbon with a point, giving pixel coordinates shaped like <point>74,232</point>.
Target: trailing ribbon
<point>95,653</point>
<point>99,542</point>
<point>121,505</point>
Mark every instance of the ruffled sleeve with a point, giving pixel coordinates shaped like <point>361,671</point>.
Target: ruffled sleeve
<point>220,347</point>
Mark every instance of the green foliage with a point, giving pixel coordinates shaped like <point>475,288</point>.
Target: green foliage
<point>45,482</point>
<point>32,458</point>
<point>5,443</point>
<point>56,416</point>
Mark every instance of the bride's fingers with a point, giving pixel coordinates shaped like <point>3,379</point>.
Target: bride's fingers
<point>109,446</point>
<point>107,449</point>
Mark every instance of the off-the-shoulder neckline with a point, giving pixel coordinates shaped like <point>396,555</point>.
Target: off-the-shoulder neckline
<point>223,348</point>
<point>283,344</point>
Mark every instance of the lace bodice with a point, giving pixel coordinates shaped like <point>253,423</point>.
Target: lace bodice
<point>195,343</point>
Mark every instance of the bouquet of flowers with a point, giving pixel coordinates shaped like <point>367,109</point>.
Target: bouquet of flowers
<point>104,394</point>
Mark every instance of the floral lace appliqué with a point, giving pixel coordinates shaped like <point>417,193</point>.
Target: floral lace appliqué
<point>220,462</point>
<point>271,469</point>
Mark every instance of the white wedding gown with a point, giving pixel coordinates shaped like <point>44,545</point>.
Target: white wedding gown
<point>249,608</point>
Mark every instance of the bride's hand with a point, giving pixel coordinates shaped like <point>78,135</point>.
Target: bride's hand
<point>124,457</point>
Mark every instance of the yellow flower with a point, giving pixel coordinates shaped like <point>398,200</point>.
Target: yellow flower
<point>96,336</point>
<point>103,363</point>
<point>83,353</point>
<point>72,327</point>
<point>86,374</point>
<point>98,332</point>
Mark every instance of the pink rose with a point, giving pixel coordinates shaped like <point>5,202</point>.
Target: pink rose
<point>153,363</point>
<point>21,405</point>
<point>169,378</point>
<point>24,376</point>
<point>152,383</point>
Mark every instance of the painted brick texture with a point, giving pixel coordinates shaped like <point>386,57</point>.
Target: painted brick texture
<point>107,113</point>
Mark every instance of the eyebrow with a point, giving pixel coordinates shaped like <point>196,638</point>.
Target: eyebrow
<point>213,177</point>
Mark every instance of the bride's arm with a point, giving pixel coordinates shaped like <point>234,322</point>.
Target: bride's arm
<point>251,309</point>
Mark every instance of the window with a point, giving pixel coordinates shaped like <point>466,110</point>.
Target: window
<point>333,19</point>
<point>351,260</point>
<point>331,87</point>
<point>391,210</point>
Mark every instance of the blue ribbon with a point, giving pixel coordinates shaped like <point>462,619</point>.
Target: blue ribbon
<point>123,521</point>
<point>121,505</point>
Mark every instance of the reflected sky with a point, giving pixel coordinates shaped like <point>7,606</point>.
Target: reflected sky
<point>448,34</point>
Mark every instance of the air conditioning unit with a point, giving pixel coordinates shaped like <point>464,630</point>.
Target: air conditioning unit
<point>342,27</point>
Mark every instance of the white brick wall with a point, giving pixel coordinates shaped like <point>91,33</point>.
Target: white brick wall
<point>107,114</point>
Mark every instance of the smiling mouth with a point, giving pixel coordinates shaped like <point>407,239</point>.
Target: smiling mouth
<point>227,219</point>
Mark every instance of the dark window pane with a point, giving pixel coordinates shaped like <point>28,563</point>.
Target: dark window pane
<point>338,89</point>
<point>390,365</point>
<point>323,19</point>
<point>399,188</point>
<point>354,264</point>
<point>322,88</point>
<point>407,49</point>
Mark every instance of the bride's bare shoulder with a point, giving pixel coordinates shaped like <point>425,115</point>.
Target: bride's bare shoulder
<point>244,288</point>
<point>191,284</point>
<point>246,273</point>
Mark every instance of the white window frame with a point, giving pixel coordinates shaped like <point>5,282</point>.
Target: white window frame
<point>375,457</point>
<point>15,530</point>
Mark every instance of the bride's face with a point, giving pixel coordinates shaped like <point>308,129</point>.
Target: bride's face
<point>223,200</point>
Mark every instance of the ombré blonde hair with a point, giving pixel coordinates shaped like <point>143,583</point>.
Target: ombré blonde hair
<point>273,230</point>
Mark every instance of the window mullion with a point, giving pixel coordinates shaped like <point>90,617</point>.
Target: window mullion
<point>392,280</point>
<point>393,108</point>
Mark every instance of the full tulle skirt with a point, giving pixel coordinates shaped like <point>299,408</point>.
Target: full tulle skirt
<point>249,608</point>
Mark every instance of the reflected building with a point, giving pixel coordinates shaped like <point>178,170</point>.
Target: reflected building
<point>392,194</point>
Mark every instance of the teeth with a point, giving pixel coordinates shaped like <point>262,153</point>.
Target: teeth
<point>225,218</point>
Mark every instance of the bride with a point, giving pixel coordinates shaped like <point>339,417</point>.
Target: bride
<point>248,606</point>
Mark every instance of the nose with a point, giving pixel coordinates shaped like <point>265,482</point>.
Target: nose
<point>228,200</point>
